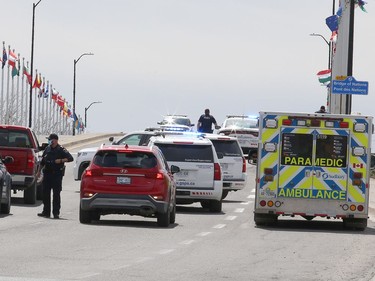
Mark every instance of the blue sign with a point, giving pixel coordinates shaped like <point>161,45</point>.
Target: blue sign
<point>349,86</point>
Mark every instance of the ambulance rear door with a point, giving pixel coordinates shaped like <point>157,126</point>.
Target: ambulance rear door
<point>313,163</point>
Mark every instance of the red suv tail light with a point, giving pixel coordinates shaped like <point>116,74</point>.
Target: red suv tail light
<point>158,176</point>
<point>93,173</point>
<point>217,172</point>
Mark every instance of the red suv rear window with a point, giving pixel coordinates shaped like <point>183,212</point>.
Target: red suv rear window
<point>125,159</point>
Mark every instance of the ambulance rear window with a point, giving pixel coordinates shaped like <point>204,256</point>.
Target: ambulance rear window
<point>331,151</point>
<point>296,149</point>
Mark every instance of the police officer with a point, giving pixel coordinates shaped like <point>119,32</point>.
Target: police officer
<point>205,122</point>
<point>53,159</point>
<point>321,110</point>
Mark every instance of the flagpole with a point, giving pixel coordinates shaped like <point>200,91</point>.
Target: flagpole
<point>26,99</point>
<point>7,96</point>
<point>2,117</point>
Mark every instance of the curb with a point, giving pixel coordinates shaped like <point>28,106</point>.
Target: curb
<point>72,143</point>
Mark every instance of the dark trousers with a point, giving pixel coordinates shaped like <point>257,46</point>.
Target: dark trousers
<point>52,182</point>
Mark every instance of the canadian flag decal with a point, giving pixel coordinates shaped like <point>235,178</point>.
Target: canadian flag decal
<point>357,165</point>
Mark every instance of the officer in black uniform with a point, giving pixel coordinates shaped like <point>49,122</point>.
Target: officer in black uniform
<point>205,122</point>
<point>53,159</point>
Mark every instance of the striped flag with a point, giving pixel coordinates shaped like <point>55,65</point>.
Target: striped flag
<point>324,76</point>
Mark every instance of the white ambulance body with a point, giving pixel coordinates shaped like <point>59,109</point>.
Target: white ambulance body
<point>313,165</point>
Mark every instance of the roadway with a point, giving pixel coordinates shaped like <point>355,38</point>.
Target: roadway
<point>200,246</point>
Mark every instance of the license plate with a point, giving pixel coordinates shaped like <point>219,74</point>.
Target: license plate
<point>123,180</point>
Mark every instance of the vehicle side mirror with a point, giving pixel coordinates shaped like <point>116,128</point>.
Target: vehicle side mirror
<point>43,146</point>
<point>220,155</point>
<point>175,169</point>
<point>111,139</point>
<point>8,159</point>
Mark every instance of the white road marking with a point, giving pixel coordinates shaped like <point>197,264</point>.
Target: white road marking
<point>166,251</point>
<point>218,226</point>
<point>230,218</point>
<point>251,196</point>
<point>187,242</point>
<point>143,259</point>
<point>203,234</point>
<point>239,210</point>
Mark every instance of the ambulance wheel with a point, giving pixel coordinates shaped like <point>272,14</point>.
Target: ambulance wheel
<point>265,219</point>
<point>357,224</point>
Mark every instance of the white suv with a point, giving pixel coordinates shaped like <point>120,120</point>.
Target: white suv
<point>245,129</point>
<point>176,122</point>
<point>232,162</point>
<point>200,178</point>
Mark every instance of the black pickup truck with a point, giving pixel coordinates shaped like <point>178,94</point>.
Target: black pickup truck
<point>21,144</point>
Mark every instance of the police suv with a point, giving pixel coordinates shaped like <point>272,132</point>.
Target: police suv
<point>200,178</point>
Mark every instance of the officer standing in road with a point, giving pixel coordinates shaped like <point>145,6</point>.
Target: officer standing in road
<point>53,159</point>
<point>321,110</point>
<point>205,122</point>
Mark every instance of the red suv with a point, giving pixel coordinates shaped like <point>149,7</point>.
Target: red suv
<point>134,180</point>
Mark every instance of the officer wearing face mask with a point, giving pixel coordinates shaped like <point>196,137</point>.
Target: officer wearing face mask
<point>53,159</point>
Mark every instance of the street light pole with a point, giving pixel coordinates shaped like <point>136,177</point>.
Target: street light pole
<point>74,89</point>
<point>32,65</point>
<point>87,108</point>
<point>329,47</point>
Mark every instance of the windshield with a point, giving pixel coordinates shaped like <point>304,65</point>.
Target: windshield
<point>176,120</point>
<point>228,148</point>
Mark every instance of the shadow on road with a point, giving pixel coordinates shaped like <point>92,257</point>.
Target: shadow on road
<point>326,226</point>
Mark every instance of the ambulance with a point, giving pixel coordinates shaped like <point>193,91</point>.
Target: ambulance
<point>313,165</point>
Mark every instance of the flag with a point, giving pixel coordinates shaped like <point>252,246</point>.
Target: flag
<point>12,59</point>
<point>332,22</point>
<point>37,82</point>
<point>361,4</point>
<point>42,90</point>
<point>45,94</point>
<point>333,38</point>
<point>324,76</point>
<point>60,101</point>
<point>54,94</point>
<point>5,57</point>
<point>27,73</point>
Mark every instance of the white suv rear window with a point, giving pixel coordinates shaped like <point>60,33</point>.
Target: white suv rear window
<point>187,153</point>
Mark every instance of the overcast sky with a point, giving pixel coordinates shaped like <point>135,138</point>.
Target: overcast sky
<point>157,57</point>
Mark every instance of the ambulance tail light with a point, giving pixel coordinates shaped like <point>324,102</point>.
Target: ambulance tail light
<point>344,124</point>
<point>268,174</point>
<point>353,208</point>
<point>315,123</point>
<point>271,123</point>
<point>360,208</point>
<point>263,203</point>
<point>359,127</point>
<point>270,203</point>
<point>330,124</point>
<point>357,178</point>
<point>287,122</point>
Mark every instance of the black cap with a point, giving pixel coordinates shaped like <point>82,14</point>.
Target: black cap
<point>53,137</point>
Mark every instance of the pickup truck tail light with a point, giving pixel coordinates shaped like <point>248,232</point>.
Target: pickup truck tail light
<point>243,165</point>
<point>30,166</point>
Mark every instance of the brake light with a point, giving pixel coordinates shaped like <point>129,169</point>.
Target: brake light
<point>93,173</point>
<point>30,161</point>
<point>357,178</point>
<point>243,165</point>
<point>158,176</point>
<point>217,172</point>
<point>344,125</point>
